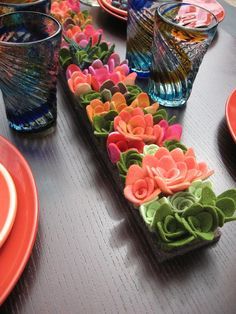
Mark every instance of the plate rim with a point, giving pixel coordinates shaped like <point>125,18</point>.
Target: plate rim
<point>121,17</point>
<point>114,9</point>
<point>227,114</point>
<point>34,228</point>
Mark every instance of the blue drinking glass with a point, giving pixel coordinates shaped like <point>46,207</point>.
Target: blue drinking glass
<point>29,54</point>
<point>9,6</point>
<point>140,25</point>
<point>182,35</point>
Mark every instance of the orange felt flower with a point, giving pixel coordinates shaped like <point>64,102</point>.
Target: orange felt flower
<point>135,125</point>
<point>97,108</point>
<point>143,101</point>
<point>166,172</point>
<point>118,102</point>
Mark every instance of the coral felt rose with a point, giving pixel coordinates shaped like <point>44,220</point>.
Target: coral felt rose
<point>139,186</point>
<point>134,124</point>
<point>170,171</point>
<point>117,144</point>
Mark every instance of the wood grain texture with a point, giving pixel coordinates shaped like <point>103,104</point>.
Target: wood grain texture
<point>89,255</point>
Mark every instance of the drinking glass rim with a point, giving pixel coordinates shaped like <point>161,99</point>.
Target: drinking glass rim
<point>176,4</point>
<point>7,4</point>
<point>6,43</point>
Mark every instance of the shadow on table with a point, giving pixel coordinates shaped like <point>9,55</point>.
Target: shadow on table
<point>141,256</point>
<point>20,293</point>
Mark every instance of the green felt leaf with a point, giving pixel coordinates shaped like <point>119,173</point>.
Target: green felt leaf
<point>229,193</point>
<point>102,125</point>
<point>172,144</point>
<point>227,206</point>
<point>207,236</point>
<point>197,186</point>
<point>202,219</point>
<point>148,211</point>
<point>182,200</point>
<point>161,114</point>
<point>86,98</point>
<point>180,242</point>
<point>208,197</point>
<point>127,159</point>
<point>221,216</point>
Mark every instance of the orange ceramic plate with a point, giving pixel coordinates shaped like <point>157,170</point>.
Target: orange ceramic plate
<point>15,252</point>
<point>107,4</point>
<point>8,203</point>
<point>230,113</point>
<point>121,17</point>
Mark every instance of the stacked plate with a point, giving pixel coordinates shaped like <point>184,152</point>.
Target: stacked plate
<point>18,215</point>
<point>211,5</point>
<point>108,6</point>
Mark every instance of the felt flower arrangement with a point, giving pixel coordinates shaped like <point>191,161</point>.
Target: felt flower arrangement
<point>162,177</point>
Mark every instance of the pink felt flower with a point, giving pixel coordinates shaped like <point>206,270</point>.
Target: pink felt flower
<point>165,172</point>
<point>117,144</point>
<point>98,73</point>
<point>135,125</point>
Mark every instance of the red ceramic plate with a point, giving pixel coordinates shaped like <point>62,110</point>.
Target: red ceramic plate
<point>8,204</point>
<point>107,4</point>
<point>121,17</point>
<point>15,252</point>
<point>230,113</point>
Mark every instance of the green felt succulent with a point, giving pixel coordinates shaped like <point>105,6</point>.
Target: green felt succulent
<point>132,92</point>
<point>103,125</point>
<point>172,144</point>
<point>86,98</point>
<point>191,215</point>
<point>84,56</point>
<point>148,210</point>
<point>127,159</point>
<point>162,114</point>
<point>172,232</point>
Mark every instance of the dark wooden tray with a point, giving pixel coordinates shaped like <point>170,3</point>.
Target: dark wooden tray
<point>101,152</point>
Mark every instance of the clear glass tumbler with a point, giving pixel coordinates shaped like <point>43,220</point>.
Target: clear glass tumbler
<point>182,35</point>
<point>29,53</point>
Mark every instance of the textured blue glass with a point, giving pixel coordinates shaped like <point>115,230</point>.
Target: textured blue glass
<point>29,49</point>
<point>140,35</point>
<point>9,6</point>
<point>177,52</point>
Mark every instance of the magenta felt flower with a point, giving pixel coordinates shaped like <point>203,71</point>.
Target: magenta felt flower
<point>117,144</point>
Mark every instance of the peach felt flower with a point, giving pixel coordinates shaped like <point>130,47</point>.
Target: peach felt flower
<point>117,144</point>
<point>169,172</point>
<point>134,124</point>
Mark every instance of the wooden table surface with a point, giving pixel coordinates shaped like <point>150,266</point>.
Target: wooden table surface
<point>89,256</point>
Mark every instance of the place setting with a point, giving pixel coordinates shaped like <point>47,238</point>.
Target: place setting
<point>165,185</point>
